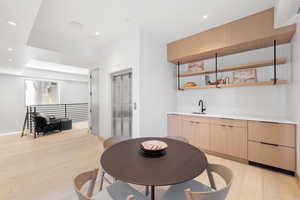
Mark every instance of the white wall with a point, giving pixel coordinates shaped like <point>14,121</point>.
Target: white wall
<point>153,83</point>
<point>74,92</point>
<point>116,56</point>
<point>157,87</point>
<point>294,94</point>
<point>284,11</point>
<point>12,100</point>
<point>12,103</point>
<point>262,101</point>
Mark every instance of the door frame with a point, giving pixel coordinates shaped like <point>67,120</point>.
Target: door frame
<point>91,86</point>
<point>121,72</point>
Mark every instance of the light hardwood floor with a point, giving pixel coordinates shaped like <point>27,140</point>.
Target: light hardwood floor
<point>44,168</point>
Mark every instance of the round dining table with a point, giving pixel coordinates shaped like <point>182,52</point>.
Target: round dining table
<point>181,162</point>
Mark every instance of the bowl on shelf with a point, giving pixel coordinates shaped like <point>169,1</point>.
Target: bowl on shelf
<point>189,84</point>
<point>153,147</point>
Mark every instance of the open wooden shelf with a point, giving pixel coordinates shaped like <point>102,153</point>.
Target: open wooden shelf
<point>237,67</point>
<point>279,82</point>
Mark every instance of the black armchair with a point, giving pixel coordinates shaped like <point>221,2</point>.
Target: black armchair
<point>44,124</point>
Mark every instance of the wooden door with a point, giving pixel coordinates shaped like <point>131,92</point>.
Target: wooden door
<point>174,125</point>
<point>218,139</point>
<point>201,136</point>
<point>237,141</point>
<point>187,130</point>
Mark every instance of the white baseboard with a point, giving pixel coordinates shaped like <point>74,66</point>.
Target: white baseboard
<point>11,133</point>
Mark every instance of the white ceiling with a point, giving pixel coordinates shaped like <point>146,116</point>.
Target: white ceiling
<point>66,28</point>
<point>24,14</point>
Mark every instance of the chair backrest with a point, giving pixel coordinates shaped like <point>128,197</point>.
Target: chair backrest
<point>179,138</point>
<point>82,179</point>
<point>216,194</point>
<point>114,140</point>
<point>39,123</point>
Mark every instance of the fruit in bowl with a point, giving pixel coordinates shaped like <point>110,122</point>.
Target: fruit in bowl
<point>154,146</point>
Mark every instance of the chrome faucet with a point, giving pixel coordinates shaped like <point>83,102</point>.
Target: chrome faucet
<point>201,105</point>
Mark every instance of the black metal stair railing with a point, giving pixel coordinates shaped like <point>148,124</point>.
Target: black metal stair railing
<point>77,112</point>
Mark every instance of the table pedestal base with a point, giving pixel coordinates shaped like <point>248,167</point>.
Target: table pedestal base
<point>152,192</point>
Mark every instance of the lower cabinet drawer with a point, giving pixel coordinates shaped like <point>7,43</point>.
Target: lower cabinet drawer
<point>276,156</point>
<point>274,133</point>
<point>229,122</point>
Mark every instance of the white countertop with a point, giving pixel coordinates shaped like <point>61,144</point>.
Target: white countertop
<point>239,117</point>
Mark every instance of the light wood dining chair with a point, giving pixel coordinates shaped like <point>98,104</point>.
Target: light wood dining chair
<point>194,190</point>
<point>179,138</point>
<point>106,145</point>
<point>116,191</point>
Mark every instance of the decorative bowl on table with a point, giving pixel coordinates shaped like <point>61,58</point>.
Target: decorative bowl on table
<point>153,147</point>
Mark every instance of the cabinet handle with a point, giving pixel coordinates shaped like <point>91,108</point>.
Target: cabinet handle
<point>227,118</point>
<point>265,143</point>
<point>230,126</point>
<point>270,122</point>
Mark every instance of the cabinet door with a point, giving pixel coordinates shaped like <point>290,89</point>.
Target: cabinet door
<point>201,136</point>
<point>188,130</point>
<point>218,139</point>
<point>237,142</point>
<point>174,125</point>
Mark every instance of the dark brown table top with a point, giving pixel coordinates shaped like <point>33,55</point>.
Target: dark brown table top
<point>181,163</point>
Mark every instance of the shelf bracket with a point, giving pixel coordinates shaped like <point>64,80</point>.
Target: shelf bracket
<point>178,77</point>
<point>275,63</point>
<point>216,68</point>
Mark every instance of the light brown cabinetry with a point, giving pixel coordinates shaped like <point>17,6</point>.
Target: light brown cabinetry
<point>274,133</point>
<point>218,139</point>
<point>174,125</point>
<point>196,130</point>
<point>187,129</point>
<point>252,32</point>
<point>251,28</point>
<point>237,142</point>
<point>202,135</point>
<point>273,155</point>
<point>272,144</point>
<point>262,142</point>
<point>229,137</point>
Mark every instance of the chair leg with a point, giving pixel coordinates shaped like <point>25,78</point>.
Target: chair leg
<point>102,179</point>
<point>211,178</point>
<point>146,190</point>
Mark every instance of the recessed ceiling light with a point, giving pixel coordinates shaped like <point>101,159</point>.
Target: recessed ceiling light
<point>10,49</point>
<point>97,33</point>
<point>12,23</point>
<point>10,60</point>
<point>205,16</point>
